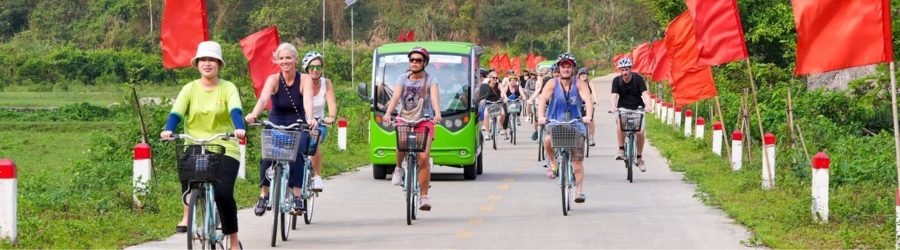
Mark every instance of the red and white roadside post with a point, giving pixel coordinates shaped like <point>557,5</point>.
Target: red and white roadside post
<point>671,113</point>
<point>821,163</point>
<point>8,203</point>
<point>659,112</point>
<point>688,115</point>
<point>768,166</point>
<point>342,134</point>
<point>242,170</point>
<point>663,111</point>
<point>141,169</point>
<point>701,128</point>
<point>652,100</point>
<point>717,138</point>
<point>737,146</point>
<point>677,116</point>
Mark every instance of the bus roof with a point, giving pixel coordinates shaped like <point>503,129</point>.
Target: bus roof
<point>546,63</point>
<point>435,46</point>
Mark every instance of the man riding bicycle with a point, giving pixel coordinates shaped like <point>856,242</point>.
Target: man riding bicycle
<point>565,95</point>
<point>420,94</point>
<point>629,92</point>
<point>494,95</point>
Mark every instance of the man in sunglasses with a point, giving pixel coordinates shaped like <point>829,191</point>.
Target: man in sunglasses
<point>495,94</point>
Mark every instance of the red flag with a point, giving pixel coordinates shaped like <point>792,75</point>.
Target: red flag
<point>258,49</point>
<point>642,62</point>
<point>529,61</point>
<point>839,34</point>
<point>495,62</point>
<point>504,64</point>
<point>660,61</point>
<point>516,64</point>
<point>183,28</point>
<point>400,37</point>
<point>690,82</point>
<point>410,35</point>
<point>717,26</point>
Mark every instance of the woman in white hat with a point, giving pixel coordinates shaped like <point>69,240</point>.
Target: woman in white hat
<point>209,106</point>
<point>285,89</point>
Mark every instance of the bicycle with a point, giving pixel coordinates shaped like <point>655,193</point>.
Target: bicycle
<point>280,145</point>
<point>412,141</point>
<point>540,131</point>
<point>202,171</point>
<point>494,110</point>
<point>564,135</point>
<point>630,122</point>
<point>514,107</point>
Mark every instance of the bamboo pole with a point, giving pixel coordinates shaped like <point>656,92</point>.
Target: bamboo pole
<point>726,142</point>
<point>896,138</point>
<point>790,114</point>
<point>765,159</point>
<point>806,152</point>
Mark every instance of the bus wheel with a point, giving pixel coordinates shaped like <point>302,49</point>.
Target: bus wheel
<point>378,171</point>
<point>479,166</point>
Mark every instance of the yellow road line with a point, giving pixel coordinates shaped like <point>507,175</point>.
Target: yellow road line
<point>495,197</point>
<point>476,221</point>
<point>503,187</point>
<point>464,234</point>
<point>487,208</point>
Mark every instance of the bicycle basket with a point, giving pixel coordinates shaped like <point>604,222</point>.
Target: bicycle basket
<point>514,107</point>
<point>413,139</point>
<point>494,109</point>
<point>313,139</point>
<point>199,163</point>
<point>278,145</point>
<point>630,122</point>
<point>564,135</point>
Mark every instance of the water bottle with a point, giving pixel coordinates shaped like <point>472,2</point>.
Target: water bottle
<point>202,163</point>
<point>313,143</point>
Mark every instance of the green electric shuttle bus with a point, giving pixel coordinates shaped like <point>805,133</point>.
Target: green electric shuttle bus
<point>458,142</point>
<point>544,65</point>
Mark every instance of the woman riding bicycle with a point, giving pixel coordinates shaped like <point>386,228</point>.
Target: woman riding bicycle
<point>513,91</point>
<point>289,104</point>
<point>417,104</point>
<point>583,76</point>
<point>495,95</point>
<point>322,92</point>
<point>565,95</point>
<point>209,106</point>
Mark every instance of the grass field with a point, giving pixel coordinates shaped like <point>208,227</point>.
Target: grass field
<point>20,96</point>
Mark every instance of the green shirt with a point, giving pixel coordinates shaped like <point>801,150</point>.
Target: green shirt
<point>207,112</point>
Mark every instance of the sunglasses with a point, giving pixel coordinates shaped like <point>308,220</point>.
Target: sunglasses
<point>416,60</point>
<point>316,67</point>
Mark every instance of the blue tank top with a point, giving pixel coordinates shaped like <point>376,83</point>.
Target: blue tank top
<point>285,101</point>
<point>565,100</point>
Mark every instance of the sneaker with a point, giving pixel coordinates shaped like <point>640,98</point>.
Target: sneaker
<point>552,172</point>
<point>260,208</point>
<point>299,208</point>
<point>317,184</point>
<point>506,137</point>
<point>592,143</point>
<point>426,206</point>
<point>534,136</point>
<point>397,177</point>
<point>640,165</point>
<point>581,197</point>
<point>621,155</point>
<point>528,119</point>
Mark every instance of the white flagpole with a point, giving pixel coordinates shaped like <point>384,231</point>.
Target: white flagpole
<point>896,146</point>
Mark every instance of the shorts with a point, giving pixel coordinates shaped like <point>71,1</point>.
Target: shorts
<point>643,119</point>
<point>483,109</point>
<point>576,153</point>
<point>422,125</point>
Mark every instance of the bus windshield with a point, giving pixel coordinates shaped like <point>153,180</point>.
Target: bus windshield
<point>452,72</point>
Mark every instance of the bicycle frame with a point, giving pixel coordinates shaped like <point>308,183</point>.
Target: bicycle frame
<point>566,171</point>
<point>411,174</point>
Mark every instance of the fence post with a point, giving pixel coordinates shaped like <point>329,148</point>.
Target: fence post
<point>342,134</point>
<point>737,144</point>
<point>768,170</point>
<point>677,116</point>
<point>242,170</point>
<point>141,169</point>
<point>701,128</point>
<point>717,138</point>
<point>688,116</point>
<point>9,204</point>
<point>820,177</point>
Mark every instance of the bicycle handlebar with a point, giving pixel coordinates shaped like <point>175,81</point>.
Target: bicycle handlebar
<point>424,118</point>
<point>201,141</point>
<point>564,122</point>
<point>299,123</point>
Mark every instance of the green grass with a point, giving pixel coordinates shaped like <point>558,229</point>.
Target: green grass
<point>861,216</point>
<point>32,97</point>
<point>36,151</point>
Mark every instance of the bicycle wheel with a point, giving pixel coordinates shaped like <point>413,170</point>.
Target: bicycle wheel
<point>512,128</point>
<point>288,198</point>
<point>628,162</point>
<point>197,234</point>
<point>564,182</point>
<point>587,147</point>
<point>276,190</point>
<point>494,131</point>
<point>293,222</point>
<point>309,196</point>
<point>540,141</point>
<point>410,202</point>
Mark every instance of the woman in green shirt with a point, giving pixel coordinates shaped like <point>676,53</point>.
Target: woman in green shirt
<point>209,106</point>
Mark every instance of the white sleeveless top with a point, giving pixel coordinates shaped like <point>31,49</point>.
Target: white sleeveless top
<point>318,101</point>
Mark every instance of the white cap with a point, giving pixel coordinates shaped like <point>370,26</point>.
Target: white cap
<point>209,49</point>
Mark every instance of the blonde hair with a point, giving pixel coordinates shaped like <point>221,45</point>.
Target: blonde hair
<point>285,46</point>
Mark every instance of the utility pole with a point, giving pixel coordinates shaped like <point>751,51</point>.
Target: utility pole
<point>569,26</point>
<point>352,42</point>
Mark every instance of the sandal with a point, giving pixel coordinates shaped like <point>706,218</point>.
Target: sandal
<point>581,197</point>
<point>552,172</point>
<point>180,229</point>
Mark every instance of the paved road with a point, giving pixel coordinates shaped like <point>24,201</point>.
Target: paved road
<point>512,205</point>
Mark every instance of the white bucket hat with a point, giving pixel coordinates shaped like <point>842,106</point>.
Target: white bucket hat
<point>209,49</point>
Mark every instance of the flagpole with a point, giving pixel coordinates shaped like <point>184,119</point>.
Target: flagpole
<point>323,27</point>
<point>722,119</point>
<point>759,122</point>
<point>896,142</point>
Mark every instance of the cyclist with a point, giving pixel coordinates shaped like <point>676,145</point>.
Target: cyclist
<point>511,92</point>
<point>322,92</point>
<point>629,91</point>
<point>417,103</point>
<point>288,104</point>
<point>496,94</point>
<point>539,87</point>
<point>530,83</point>
<point>566,94</point>
<point>583,76</point>
<point>209,106</point>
